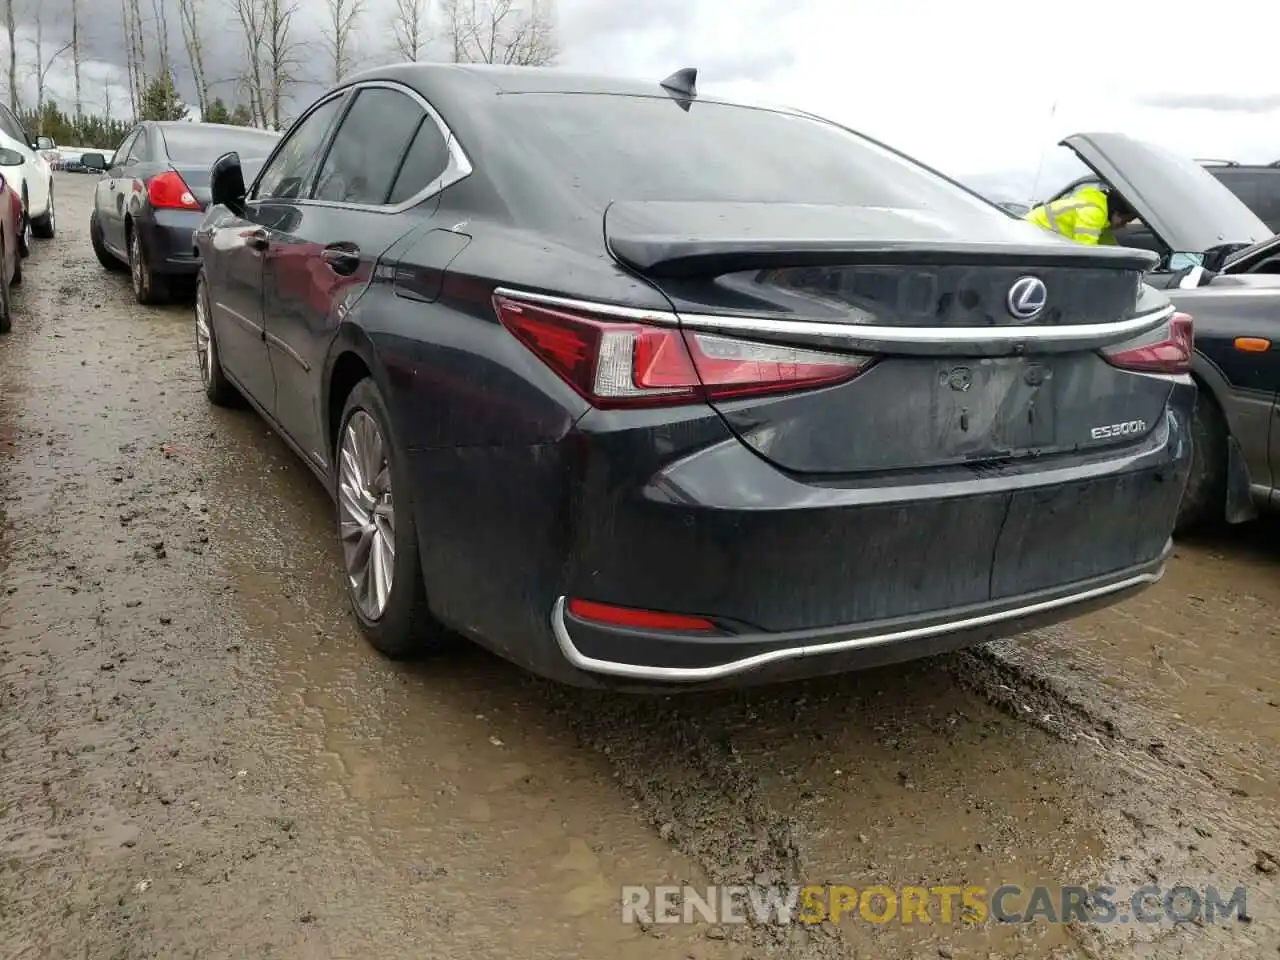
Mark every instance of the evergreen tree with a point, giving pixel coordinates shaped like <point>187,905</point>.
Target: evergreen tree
<point>160,100</point>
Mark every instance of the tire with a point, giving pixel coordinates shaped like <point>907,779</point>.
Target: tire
<point>216,385</point>
<point>24,230</point>
<point>148,289</point>
<point>45,227</point>
<point>1204,500</point>
<point>404,627</point>
<point>17,272</point>
<point>99,248</point>
<point>6,308</point>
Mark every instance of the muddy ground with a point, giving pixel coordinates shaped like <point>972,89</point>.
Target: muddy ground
<point>200,758</point>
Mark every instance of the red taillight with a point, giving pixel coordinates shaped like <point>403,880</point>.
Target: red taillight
<point>622,364</point>
<point>609,615</point>
<point>1170,355</point>
<point>169,191</point>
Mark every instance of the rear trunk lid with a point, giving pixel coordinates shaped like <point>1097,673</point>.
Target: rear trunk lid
<point>961,376</point>
<point>198,176</point>
<point>1187,207</point>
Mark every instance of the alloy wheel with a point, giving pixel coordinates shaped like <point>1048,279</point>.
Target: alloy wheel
<point>135,264</point>
<point>26,231</point>
<point>366,514</point>
<point>204,340</point>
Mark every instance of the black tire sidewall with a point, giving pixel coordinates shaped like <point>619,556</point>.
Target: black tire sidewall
<point>6,307</point>
<point>398,632</point>
<point>218,389</point>
<point>45,228</point>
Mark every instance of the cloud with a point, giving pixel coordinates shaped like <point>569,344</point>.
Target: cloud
<point>1229,102</point>
<point>982,87</point>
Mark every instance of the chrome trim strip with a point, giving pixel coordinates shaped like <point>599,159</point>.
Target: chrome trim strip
<point>662,318</point>
<point>458,168</point>
<point>239,317</point>
<point>929,339</point>
<point>866,336</point>
<point>286,349</point>
<point>696,674</point>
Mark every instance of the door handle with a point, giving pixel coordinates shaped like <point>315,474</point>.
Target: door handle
<point>256,239</point>
<point>342,258</point>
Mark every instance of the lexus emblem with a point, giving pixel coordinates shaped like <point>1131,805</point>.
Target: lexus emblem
<point>1027,298</point>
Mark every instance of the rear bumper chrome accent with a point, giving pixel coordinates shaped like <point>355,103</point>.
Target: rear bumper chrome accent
<point>677,675</point>
<point>982,341</point>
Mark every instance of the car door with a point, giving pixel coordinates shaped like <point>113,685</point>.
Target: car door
<point>15,138</point>
<point>388,152</point>
<point>115,191</point>
<point>235,274</point>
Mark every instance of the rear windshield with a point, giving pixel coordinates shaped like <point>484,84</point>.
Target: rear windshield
<point>196,144</point>
<point>648,148</point>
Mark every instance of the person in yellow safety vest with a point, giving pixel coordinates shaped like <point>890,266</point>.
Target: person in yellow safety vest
<point>1088,215</point>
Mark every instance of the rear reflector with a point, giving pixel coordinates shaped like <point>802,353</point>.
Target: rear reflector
<point>609,615</point>
<point>625,364</point>
<point>1169,355</point>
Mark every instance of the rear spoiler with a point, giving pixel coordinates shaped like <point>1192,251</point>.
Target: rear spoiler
<point>675,257</point>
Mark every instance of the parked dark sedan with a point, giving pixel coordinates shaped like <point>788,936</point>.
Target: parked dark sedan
<point>1195,221</point>
<point>153,195</point>
<point>761,399</point>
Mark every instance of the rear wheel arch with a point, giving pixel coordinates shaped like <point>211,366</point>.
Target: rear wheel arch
<point>348,369</point>
<point>351,358</point>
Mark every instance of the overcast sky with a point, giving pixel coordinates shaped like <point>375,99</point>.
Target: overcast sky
<point>978,87</point>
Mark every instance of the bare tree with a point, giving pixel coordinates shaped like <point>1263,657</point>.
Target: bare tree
<point>252,15</point>
<point>43,67</point>
<point>158,8</point>
<point>135,51</point>
<point>340,40</point>
<point>76,58</point>
<point>411,28</point>
<point>282,55</point>
<point>11,26</point>
<point>510,32</point>
<point>189,18</point>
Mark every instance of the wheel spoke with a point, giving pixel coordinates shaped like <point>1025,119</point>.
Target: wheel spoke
<point>366,514</point>
<point>353,501</point>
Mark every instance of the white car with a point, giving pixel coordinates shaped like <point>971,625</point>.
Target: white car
<point>33,180</point>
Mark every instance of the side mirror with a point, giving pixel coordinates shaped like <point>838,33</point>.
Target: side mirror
<point>10,158</point>
<point>226,182</point>
<point>45,143</point>
<point>93,161</point>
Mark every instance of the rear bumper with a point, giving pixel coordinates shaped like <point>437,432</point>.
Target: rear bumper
<point>168,240</point>
<point>803,578</point>
<point>665,658</point>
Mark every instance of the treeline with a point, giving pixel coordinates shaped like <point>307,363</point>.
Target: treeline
<point>158,102</point>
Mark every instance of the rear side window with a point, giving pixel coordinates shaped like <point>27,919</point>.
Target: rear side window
<point>648,148</point>
<point>138,151</point>
<point>366,151</point>
<point>424,163</point>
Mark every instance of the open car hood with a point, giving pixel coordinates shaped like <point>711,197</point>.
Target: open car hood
<point>1183,204</point>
